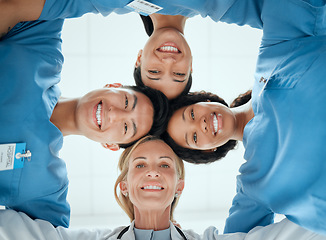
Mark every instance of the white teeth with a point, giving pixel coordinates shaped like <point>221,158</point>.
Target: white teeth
<point>153,187</point>
<point>215,123</point>
<point>98,114</point>
<point>169,49</point>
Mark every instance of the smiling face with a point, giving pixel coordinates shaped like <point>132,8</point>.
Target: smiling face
<point>114,115</point>
<point>166,62</point>
<point>202,126</point>
<point>152,178</point>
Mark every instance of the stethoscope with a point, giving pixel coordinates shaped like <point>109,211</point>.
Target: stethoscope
<point>126,229</point>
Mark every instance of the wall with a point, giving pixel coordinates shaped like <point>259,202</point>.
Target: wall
<point>100,50</point>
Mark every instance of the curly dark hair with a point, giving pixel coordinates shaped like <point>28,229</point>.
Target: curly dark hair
<point>202,156</point>
<point>160,107</point>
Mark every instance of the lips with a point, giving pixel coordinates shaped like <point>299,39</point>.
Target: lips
<point>169,47</point>
<point>216,123</point>
<point>98,115</point>
<point>152,187</point>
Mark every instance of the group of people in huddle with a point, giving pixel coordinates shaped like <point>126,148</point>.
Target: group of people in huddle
<point>160,122</point>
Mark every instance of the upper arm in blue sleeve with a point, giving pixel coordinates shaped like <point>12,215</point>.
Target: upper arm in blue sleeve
<point>247,213</point>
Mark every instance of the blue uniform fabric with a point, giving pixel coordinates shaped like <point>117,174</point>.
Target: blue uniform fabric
<point>61,9</point>
<point>30,68</point>
<point>280,20</point>
<point>285,168</point>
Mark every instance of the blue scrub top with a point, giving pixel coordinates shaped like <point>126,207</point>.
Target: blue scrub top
<point>30,68</point>
<point>285,168</point>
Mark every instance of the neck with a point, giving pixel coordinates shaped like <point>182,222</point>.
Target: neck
<point>63,116</point>
<point>167,21</point>
<point>243,114</point>
<point>152,219</point>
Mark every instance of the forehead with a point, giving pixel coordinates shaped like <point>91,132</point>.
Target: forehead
<point>152,148</point>
<point>168,86</point>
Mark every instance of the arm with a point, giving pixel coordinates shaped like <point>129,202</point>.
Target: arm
<point>15,11</point>
<point>246,213</point>
<point>17,225</point>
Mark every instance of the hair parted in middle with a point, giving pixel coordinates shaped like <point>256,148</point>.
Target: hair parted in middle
<point>123,166</point>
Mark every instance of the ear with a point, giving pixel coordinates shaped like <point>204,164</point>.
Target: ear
<point>112,146</point>
<point>138,61</point>
<point>180,186</point>
<point>113,85</point>
<point>123,187</point>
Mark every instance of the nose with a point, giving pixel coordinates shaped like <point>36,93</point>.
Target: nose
<point>203,124</point>
<point>153,173</point>
<point>115,115</point>
<point>168,59</point>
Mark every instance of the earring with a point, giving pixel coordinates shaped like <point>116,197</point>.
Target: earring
<point>126,194</point>
<point>176,195</point>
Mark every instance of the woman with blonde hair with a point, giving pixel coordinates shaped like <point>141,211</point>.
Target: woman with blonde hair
<point>148,189</point>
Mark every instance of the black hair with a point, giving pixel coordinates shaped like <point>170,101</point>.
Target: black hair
<point>160,108</point>
<point>202,156</point>
<point>139,81</point>
<point>149,28</point>
<point>148,24</point>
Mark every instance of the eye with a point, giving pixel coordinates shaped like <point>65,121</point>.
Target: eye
<point>126,102</point>
<point>140,165</point>
<point>126,128</point>
<point>192,114</point>
<point>195,137</point>
<point>179,74</point>
<point>165,166</point>
<point>154,71</point>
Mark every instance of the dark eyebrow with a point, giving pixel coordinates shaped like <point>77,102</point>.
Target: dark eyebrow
<point>186,138</point>
<point>135,102</point>
<point>179,81</point>
<point>133,121</point>
<point>183,114</point>
<point>155,79</point>
<point>134,127</point>
<point>184,119</point>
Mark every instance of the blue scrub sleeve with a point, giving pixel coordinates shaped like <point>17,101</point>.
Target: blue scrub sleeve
<point>246,214</point>
<point>61,9</point>
<point>53,208</point>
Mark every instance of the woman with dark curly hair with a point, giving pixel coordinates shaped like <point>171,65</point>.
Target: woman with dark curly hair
<point>208,112</point>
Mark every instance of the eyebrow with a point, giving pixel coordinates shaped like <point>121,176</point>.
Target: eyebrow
<point>135,102</point>
<point>138,158</point>
<point>166,157</point>
<point>184,119</point>
<point>179,81</point>
<point>133,121</point>
<point>144,158</point>
<point>155,79</point>
<point>174,80</point>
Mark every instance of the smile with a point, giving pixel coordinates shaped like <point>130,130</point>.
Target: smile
<point>216,123</point>
<point>153,187</point>
<point>99,114</point>
<point>169,48</point>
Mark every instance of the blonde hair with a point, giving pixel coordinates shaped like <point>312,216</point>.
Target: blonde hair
<point>123,166</point>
